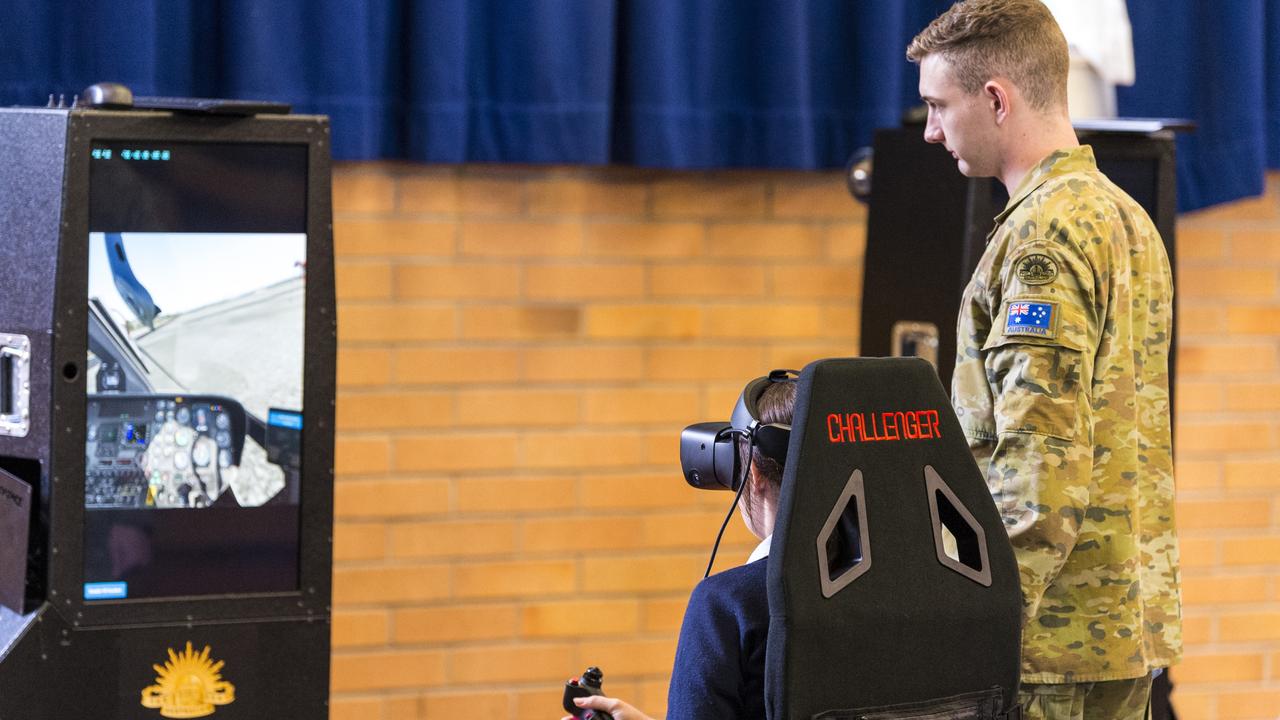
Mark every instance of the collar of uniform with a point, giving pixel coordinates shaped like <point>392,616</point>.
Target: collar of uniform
<point>1058,162</point>
<point>762,550</point>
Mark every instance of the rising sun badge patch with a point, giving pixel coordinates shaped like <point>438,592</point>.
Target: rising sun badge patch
<point>188,685</point>
<point>1031,318</point>
<point>1037,269</point>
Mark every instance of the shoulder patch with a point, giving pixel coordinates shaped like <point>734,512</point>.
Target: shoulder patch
<point>1037,269</point>
<point>1037,319</point>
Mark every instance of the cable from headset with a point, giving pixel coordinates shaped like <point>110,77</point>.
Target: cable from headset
<point>746,477</point>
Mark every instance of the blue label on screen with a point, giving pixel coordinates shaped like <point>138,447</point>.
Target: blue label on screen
<point>106,590</point>
<point>285,419</point>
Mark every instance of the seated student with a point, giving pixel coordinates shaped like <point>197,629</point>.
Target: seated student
<point>719,667</point>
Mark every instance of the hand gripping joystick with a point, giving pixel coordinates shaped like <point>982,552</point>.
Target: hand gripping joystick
<point>587,685</point>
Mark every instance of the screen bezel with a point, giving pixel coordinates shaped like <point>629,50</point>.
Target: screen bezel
<point>315,513</point>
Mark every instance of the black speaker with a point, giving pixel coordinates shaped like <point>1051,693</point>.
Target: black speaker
<point>927,225</point>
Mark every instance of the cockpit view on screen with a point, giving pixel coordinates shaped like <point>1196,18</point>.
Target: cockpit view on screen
<point>195,369</point>
<point>194,425</point>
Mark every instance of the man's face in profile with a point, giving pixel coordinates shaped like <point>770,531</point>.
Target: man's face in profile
<point>961,122</point>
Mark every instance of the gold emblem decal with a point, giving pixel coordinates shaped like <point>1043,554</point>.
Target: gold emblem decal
<point>189,685</point>
<point>1037,269</point>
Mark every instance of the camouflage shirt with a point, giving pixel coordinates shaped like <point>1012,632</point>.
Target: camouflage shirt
<point>1062,388</point>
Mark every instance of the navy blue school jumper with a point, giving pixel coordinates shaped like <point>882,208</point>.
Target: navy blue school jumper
<point>719,668</point>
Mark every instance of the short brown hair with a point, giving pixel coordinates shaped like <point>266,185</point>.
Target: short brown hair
<point>775,406</point>
<point>1016,39</point>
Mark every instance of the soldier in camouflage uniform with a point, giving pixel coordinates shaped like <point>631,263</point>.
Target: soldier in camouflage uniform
<point>1061,381</point>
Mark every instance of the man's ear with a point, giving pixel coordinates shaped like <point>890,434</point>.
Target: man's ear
<point>996,96</point>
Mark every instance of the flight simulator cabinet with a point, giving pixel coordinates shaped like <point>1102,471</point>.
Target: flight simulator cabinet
<point>167,348</point>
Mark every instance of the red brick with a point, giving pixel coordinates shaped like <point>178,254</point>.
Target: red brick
<point>773,321</point>
<point>584,282</point>
<point>644,240</point>
<point>707,280</point>
<point>518,408</point>
<point>645,574</point>
<point>527,579</point>
<point>515,494</point>
<point>390,498</point>
<point>709,196</point>
<point>814,195</point>
<point>357,455</point>
<point>778,241</point>
<point>490,196</point>
<point>393,238</point>
<point>442,452</point>
<point>522,239</point>
<point>359,541</point>
<point>456,365</point>
<point>454,623</point>
<point>1256,283</point>
<point>1236,667</point>
<point>670,322</point>
<point>1256,245</point>
<point>588,196</point>
<point>1224,589</point>
<point>355,628</point>
<point>1225,436</point>
<point>1253,320</point>
<point>705,362</point>
<point>846,241</point>
<point>639,406</point>
<point>583,363</point>
<point>390,323</point>
<point>1200,243</point>
<point>510,664</point>
<point>432,192</point>
<point>817,281</point>
<point>363,367</point>
<point>1215,514</point>
<point>452,539</point>
<point>368,411</point>
<point>362,190</point>
<point>362,281</point>
<point>1252,550</point>
<point>521,322</point>
<point>1249,627</point>
<point>390,584</point>
<point>580,618</point>
<point>588,451</point>
<point>457,281</point>
<point>1253,474</point>
<point>1226,359</point>
<point>387,670</point>
<point>486,704</point>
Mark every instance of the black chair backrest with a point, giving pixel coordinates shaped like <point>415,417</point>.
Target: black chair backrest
<point>891,579</point>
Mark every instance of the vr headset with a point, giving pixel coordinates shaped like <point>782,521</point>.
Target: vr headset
<point>709,451</point>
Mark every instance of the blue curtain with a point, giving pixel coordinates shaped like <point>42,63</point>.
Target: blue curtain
<point>660,83</point>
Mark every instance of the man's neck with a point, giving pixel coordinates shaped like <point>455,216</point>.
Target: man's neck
<point>1033,147</point>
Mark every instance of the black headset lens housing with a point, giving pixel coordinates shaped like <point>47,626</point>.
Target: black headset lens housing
<point>708,451</point>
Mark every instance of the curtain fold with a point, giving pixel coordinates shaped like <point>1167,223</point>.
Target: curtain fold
<point>655,83</point>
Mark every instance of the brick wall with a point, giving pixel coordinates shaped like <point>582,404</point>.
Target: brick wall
<point>1228,459</point>
<point>519,347</point>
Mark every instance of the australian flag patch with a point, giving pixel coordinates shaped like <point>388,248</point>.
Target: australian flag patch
<point>1031,318</point>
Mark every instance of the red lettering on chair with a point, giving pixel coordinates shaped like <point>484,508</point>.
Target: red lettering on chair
<point>891,425</point>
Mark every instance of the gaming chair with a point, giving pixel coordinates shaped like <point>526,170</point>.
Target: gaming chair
<point>893,589</point>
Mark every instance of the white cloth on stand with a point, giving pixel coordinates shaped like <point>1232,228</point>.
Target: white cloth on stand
<point>1101,42</point>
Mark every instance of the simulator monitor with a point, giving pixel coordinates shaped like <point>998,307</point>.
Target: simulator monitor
<point>167,357</point>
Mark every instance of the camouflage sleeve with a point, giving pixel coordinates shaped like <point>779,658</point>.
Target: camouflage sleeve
<point>1039,368</point>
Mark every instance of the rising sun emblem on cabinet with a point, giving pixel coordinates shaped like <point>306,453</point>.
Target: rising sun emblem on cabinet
<point>188,685</point>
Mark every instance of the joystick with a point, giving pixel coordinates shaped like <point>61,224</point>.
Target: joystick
<point>585,686</point>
